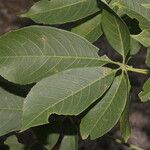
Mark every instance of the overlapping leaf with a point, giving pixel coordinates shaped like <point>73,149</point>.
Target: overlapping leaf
<point>128,7</point>
<point>32,53</point>
<point>102,118</point>
<point>91,29</point>
<point>61,11</point>
<point>116,33</point>
<point>68,93</point>
<point>10,112</point>
<point>143,38</point>
<point>145,94</point>
<point>142,7</point>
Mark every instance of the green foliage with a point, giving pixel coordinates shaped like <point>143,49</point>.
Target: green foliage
<point>70,78</point>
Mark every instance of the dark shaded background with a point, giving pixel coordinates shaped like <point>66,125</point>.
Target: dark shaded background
<point>139,112</point>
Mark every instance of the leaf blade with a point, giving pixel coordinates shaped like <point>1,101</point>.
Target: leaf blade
<point>52,12</point>
<point>116,33</point>
<point>91,29</point>
<point>10,112</point>
<point>32,53</point>
<point>74,99</point>
<point>105,115</point>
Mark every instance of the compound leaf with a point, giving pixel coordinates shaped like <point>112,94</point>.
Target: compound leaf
<point>145,94</point>
<point>61,11</point>
<point>32,53</point>
<point>104,115</point>
<point>116,32</point>
<point>91,29</point>
<point>10,112</point>
<point>68,93</point>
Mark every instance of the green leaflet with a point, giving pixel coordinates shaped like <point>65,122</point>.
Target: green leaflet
<point>116,33</point>
<point>145,94</point>
<point>135,46</point>
<point>148,57</point>
<point>13,143</point>
<point>143,38</point>
<point>61,11</point>
<point>32,53</point>
<point>69,142</point>
<point>10,112</point>
<point>91,29</point>
<point>139,6</point>
<point>52,140</point>
<point>125,126</point>
<point>103,116</point>
<point>68,93</point>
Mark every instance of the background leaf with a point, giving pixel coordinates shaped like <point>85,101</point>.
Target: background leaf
<point>145,94</point>
<point>10,112</point>
<point>13,143</point>
<point>69,142</point>
<point>104,115</point>
<point>91,29</point>
<point>148,57</point>
<point>52,140</point>
<point>143,38</point>
<point>116,33</point>
<point>68,93</point>
<point>61,11</point>
<point>32,53</point>
<point>139,6</point>
<point>135,46</point>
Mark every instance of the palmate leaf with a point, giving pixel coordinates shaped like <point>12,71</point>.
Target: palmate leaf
<point>145,94</point>
<point>142,7</point>
<point>32,53</point>
<point>143,38</point>
<point>116,32</point>
<point>148,57</point>
<point>69,142</point>
<point>68,93</point>
<point>91,29</point>
<point>10,112</point>
<point>61,11</point>
<point>103,116</point>
<point>13,143</point>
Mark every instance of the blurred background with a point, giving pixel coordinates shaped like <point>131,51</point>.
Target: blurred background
<point>139,112</point>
